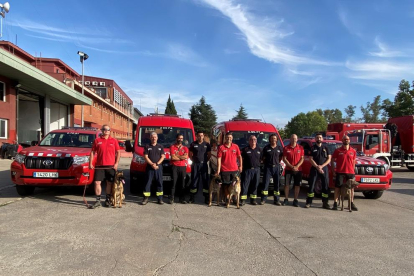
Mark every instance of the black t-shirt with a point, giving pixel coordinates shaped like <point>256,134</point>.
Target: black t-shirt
<point>272,156</point>
<point>320,154</point>
<point>200,151</point>
<point>154,152</point>
<point>251,157</point>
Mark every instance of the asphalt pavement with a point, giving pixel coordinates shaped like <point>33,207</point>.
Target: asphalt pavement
<point>53,233</point>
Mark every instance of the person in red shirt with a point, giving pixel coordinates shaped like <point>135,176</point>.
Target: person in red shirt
<point>227,157</point>
<point>293,156</point>
<point>344,158</point>
<point>107,153</point>
<point>179,156</point>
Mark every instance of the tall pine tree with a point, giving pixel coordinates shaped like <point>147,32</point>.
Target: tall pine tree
<point>203,116</point>
<point>170,107</point>
<point>241,113</point>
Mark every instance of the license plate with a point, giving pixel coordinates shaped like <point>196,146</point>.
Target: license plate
<point>166,178</point>
<point>46,174</point>
<point>370,180</point>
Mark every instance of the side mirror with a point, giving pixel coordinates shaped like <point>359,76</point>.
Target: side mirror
<point>128,146</point>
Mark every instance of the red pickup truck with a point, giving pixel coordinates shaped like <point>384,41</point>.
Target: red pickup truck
<point>373,174</point>
<point>60,159</point>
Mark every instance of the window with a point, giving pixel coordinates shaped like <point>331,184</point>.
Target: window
<point>2,91</point>
<point>3,128</point>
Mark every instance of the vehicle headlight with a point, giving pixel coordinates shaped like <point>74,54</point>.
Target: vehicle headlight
<point>78,160</point>
<point>19,158</point>
<point>387,167</point>
<point>138,158</point>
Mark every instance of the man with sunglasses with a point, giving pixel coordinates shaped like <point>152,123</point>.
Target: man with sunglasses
<point>107,154</point>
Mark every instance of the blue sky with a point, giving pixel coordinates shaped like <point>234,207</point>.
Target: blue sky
<point>277,58</point>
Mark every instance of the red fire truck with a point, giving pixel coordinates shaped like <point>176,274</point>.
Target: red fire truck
<point>336,131</point>
<point>60,159</point>
<point>167,127</point>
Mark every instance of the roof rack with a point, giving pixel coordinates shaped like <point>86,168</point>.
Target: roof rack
<point>158,114</point>
<point>80,128</point>
<point>253,120</point>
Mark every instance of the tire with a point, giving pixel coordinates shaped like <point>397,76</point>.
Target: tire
<point>373,194</point>
<point>24,190</point>
<point>136,186</point>
<point>410,167</point>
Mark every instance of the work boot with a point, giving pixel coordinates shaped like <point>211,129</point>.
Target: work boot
<point>191,200</point>
<point>308,205</point>
<point>182,200</point>
<point>107,202</point>
<point>171,200</point>
<point>277,203</point>
<point>335,206</point>
<point>97,204</point>
<point>160,202</point>
<point>353,207</point>
<point>144,201</point>
<point>253,202</point>
<point>242,202</point>
<point>295,203</point>
<point>325,205</point>
<point>285,202</point>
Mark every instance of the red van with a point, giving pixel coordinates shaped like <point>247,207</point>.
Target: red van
<point>167,127</point>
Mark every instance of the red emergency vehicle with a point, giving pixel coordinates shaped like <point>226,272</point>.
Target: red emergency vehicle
<point>373,175</point>
<point>242,129</point>
<point>167,127</point>
<point>60,159</point>
<point>336,131</point>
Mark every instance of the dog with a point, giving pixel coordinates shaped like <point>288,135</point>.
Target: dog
<point>215,187</point>
<point>346,192</point>
<point>233,189</point>
<point>117,194</point>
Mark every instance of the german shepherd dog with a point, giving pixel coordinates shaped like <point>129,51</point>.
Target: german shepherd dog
<point>234,188</point>
<point>215,187</point>
<point>117,194</point>
<point>346,192</point>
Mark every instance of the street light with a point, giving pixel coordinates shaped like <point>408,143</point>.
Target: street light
<point>4,9</point>
<point>83,57</point>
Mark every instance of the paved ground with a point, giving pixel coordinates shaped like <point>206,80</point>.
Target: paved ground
<point>52,233</point>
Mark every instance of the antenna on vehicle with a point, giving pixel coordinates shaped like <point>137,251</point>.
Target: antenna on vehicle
<point>263,118</point>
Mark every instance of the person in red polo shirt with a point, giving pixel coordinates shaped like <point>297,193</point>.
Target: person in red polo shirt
<point>107,153</point>
<point>179,156</point>
<point>344,158</point>
<point>227,157</point>
<point>293,156</point>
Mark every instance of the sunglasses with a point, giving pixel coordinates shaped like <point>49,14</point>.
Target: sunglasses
<point>106,129</point>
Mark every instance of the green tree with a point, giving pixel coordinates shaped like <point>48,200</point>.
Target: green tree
<point>403,102</point>
<point>350,113</point>
<point>331,115</point>
<point>282,132</point>
<point>241,113</point>
<point>305,124</point>
<point>372,111</point>
<point>203,116</point>
<point>170,107</point>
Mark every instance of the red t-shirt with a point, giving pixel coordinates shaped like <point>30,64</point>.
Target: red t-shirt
<point>293,155</point>
<point>181,151</point>
<point>345,160</point>
<point>229,157</point>
<point>105,150</point>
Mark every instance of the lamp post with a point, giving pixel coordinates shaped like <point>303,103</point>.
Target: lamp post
<point>83,57</point>
<point>4,9</point>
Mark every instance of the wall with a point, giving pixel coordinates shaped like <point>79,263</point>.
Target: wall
<point>8,110</point>
<point>58,115</point>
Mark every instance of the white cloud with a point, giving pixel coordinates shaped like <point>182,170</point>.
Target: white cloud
<point>349,24</point>
<point>263,36</point>
<point>384,51</point>
<point>375,70</point>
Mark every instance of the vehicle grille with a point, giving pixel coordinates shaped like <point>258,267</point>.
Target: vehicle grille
<point>58,163</point>
<point>370,170</point>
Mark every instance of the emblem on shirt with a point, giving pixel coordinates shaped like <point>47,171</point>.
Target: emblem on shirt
<point>149,148</point>
<point>234,151</point>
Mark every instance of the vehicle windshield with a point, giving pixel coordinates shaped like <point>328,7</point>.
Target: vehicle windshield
<point>68,139</point>
<point>355,138</point>
<point>241,138</point>
<point>166,135</point>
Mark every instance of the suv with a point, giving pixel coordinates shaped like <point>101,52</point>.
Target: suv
<point>373,174</point>
<point>60,159</point>
<point>167,127</point>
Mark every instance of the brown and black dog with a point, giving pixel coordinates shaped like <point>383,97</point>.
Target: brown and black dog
<point>117,195</point>
<point>233,189</point>
<point>215,187</point>
<point>346,192</point>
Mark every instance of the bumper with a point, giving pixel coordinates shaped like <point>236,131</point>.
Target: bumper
<point>385,182</point>
<point>76,175</point>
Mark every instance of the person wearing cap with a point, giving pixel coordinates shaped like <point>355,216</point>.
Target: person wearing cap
<point>107,158</point>
<point>251,156</point>
<point>272,155</point>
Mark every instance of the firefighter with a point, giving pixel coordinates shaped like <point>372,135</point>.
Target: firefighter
<point>272,155</point>
<point>179,156</point>
<point>345,159</point>
<point>251,170</point>
<point>200,153</point>
<point>154,155</point>
<point>229,160</point>
<point>293,156</point>
<point>320,157</point>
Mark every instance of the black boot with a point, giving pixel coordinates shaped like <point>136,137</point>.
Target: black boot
<point>191,200</point>
<point>253,202</point>
<point>171,199</point>
<point>145,201</point>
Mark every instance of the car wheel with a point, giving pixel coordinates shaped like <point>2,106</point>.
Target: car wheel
<point>373,194</point>
<point>410,167</point>
<point>24,190</point>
